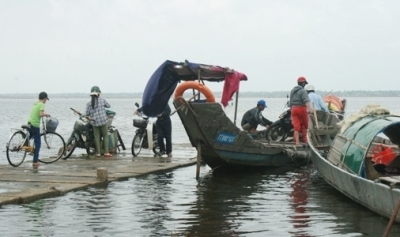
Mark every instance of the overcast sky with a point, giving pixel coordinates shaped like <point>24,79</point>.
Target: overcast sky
<point>69,46</point>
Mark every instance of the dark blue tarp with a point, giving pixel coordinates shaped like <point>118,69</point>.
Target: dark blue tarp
<point>164,80</point>
<point>157,91</point>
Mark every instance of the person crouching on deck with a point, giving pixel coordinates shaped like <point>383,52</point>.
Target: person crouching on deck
<point>253,117</point>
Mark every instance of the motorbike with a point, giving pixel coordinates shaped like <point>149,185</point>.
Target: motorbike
<point>82,135</point>
<point>142,139</point>
<point>281,129</point>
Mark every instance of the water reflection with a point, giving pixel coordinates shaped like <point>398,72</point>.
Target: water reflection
<point>256,203</point>
<point>218,205</point>
<point>224,203</point>
<point>154,197</point>
<point>344,215</point>
<point>300,218</point>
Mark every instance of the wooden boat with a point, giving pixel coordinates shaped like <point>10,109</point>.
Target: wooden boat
<point>361,159</point>
<point>218,140</point>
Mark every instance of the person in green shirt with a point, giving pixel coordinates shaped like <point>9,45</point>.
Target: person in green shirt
<point>34,120</point>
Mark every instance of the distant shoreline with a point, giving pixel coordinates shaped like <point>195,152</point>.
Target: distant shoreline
<point>247,94</point>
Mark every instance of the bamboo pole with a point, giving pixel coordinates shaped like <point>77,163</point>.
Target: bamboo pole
<point>199,79</point>
<point>198,160</point>
<point>236,105</point>
<point>315,117</point>
<point>394,215</point>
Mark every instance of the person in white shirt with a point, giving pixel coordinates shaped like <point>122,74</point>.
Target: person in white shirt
<point>316,100</point>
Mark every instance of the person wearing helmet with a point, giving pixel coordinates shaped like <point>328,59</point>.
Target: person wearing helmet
<point>299,103</point>
<point>34,120</point>
<point>253,117</point>
<point>96,109</point>
<point>317,103</point>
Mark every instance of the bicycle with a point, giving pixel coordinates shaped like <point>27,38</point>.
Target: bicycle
<point>19,144</point>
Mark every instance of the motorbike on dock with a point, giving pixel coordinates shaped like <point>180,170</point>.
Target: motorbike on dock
<point>142,139</point>
<point>82,135</point>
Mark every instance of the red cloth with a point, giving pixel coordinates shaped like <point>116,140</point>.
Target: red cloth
<point>300,120</point>
<point>232,81</point>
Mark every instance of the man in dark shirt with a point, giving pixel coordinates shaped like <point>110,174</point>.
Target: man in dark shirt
<point>253,117</point>
<point>299,103</point>
<point>164,130</point>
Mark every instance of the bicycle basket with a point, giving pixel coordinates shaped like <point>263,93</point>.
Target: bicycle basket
<point>51,124</point>
<point>139,123</point>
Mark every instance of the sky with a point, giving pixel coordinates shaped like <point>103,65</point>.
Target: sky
<point>69,46</point>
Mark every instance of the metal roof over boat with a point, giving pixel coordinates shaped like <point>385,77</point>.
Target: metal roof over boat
<point>164,80</point>
<point>350,147</point>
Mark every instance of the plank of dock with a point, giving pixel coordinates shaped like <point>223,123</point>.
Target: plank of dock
<point>26,184</point>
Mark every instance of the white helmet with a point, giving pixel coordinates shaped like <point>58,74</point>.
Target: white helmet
<point>309,87</point>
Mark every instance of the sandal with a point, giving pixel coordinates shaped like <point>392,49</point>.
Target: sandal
<point>107,155</point>
<point>98,155</point>
<point>36,164</point>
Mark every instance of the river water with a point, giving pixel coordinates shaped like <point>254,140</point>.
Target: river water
<point>271,202</point>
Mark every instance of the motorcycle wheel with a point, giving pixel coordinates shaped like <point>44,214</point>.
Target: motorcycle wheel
<point>156,149</point>
<point>276,133</point>
<point>70,148</point>
<point>137,144</point>
<point>90,148</point>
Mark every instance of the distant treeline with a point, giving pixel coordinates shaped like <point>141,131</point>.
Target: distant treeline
<point>250,94</point>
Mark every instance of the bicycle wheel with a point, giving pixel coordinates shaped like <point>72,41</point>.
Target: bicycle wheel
<point>121,143</point>
<point>52,147</point>
<point>137,144</point>
<point>15,153</point>
<point>70,148</point>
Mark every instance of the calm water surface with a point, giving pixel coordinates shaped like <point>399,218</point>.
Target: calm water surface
<point>255,203</point>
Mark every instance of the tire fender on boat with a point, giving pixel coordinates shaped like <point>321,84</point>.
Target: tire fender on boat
<point>197,86</point>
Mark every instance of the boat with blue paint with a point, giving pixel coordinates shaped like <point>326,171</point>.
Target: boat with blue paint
<point>219,142</point>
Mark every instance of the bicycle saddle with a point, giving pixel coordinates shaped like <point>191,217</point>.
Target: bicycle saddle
<point>26,126</point>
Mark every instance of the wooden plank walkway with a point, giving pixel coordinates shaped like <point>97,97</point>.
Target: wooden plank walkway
<point>25,184</point>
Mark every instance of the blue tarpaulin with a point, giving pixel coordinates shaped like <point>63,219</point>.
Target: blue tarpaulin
<point>164,80</point>
<point>159,89</point>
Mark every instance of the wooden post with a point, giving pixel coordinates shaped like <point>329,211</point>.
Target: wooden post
<point>236,105</point>
<point>199,78</point>
<point>102,174</point>
<point>198,160</point>
<point>394,215</point>
<point>315,117</point>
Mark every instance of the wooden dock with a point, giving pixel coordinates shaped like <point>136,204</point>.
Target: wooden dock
<point>25,184</point>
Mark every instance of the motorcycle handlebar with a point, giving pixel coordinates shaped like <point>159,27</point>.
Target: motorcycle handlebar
<point>76,111</point>
<point>81,115</point>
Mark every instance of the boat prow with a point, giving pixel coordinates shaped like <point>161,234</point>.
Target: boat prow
<point>222,143</point>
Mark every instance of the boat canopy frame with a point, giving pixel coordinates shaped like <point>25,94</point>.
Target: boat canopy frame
<point>352,145</point>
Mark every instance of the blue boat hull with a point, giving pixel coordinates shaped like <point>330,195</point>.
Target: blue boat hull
<point>222,143</point>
